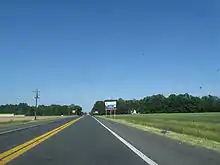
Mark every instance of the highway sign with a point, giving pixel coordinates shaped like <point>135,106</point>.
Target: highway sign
<point>110,105</point>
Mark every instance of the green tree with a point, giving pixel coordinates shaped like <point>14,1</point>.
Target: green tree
<point>182,103</point>
<point>42,110</point>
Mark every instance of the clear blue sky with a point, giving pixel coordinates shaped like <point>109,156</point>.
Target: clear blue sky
<point>83,51</point>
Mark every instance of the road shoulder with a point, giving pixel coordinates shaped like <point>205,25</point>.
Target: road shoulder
<point>163,150</point>
<point>183,138</point>
<point>26,125</point>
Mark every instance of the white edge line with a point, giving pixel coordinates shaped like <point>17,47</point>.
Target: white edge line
<point>23,128</point>
<point>18,129</point>
<point>135,150</point>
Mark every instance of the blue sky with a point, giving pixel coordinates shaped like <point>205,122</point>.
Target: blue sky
<point>83,51</point>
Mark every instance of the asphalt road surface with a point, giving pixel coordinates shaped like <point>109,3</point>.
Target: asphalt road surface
<point>15,127</point>
<point>90,141</point>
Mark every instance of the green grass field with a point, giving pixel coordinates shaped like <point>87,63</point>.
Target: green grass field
<point>203,125</point>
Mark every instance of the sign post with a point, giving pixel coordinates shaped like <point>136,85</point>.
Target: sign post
<point>110,106</point>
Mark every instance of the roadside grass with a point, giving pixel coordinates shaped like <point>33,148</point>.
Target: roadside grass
<point>9,123</point>
<point>5,122</point>
<point>201,129</point>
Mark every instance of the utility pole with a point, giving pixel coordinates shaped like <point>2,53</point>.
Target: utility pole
<point>36,97</point>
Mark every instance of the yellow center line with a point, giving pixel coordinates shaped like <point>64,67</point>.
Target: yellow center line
<point>28,143</point>
<point>18,150</point>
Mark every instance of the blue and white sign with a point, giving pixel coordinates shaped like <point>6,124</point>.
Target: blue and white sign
<point>110,105</point>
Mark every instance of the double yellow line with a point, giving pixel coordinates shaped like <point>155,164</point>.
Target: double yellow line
<point>18,150</point>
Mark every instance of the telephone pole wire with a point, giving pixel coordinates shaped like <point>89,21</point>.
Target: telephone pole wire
<point>36,97</point>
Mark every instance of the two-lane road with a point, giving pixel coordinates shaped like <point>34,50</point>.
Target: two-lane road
<point>88,141</point>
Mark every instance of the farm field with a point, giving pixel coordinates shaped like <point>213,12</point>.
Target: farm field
<point>204,125</point>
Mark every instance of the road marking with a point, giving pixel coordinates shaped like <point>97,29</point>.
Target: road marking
<point>18,150</point>
<point>18,129</point>
<point>28,143</point>
<point>135,150</point>
<point>23,128</point>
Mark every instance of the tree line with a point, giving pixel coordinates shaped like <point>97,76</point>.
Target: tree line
<point>181,103</point>
<point>42,110</point>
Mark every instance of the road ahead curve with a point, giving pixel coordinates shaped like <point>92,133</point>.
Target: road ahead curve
<point>86,141</point>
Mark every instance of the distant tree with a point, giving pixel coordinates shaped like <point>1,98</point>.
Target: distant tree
<point>182,103</point>
<point>99,106</point>
<point>42,110</point>
<point>78,110</point>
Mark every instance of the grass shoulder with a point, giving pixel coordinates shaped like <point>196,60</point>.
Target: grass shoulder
<point>198,131</point>
<point>10,123</point>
